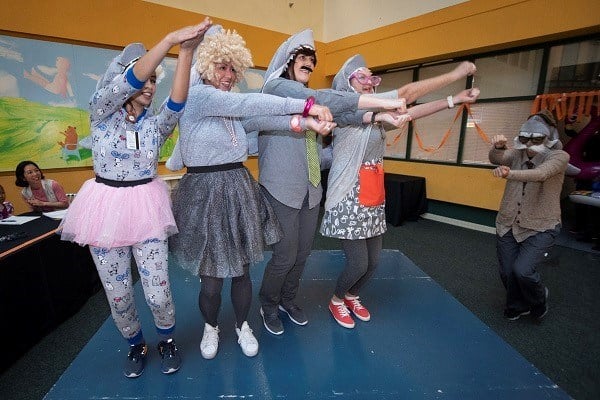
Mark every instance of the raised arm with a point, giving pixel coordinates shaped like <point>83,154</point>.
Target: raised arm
<point>148,63</point>
<point>423,110</point>
<point>181,79</point>
<point>412,91</point>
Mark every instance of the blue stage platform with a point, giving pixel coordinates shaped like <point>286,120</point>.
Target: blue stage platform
<point>420,344</point>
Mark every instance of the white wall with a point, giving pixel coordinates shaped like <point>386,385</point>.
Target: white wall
<point>329,19</point>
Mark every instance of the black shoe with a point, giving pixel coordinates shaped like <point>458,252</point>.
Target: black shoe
<point>513,315</point>
<point>136,360</point>
<point>170,359</point>
<point>541,310</point>
<point>272,322</point>
<point>295,313</point>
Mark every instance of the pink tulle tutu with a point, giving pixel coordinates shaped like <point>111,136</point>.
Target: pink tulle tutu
<point>106,216</point>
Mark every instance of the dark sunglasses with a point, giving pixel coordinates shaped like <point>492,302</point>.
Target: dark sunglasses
<point>534,140</point>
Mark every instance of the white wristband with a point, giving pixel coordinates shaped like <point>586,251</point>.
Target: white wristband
<point>450,102</point>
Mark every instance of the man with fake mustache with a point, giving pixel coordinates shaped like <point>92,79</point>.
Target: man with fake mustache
<point>529,218</point>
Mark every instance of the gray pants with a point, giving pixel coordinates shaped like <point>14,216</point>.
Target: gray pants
<point>114,269</point>
<point>519,263</point>
<point>362,257</point>
<point>283,272</point>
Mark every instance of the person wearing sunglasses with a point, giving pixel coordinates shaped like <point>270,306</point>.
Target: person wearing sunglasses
<point>529,218</point>
<point>355,203</point>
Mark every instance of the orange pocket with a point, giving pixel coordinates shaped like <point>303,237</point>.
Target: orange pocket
<point>371,192</point>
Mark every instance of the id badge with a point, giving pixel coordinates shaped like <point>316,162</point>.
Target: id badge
<point>133,141</point>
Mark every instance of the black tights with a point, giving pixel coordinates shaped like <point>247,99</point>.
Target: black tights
<point>209,299</point>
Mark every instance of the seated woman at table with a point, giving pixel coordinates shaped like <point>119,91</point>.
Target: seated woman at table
<point>40,193</point>
<point>355,204</point>
<point>6,207</point>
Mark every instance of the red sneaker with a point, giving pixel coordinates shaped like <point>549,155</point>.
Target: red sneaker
<point>357,309</point>
<point>341,315</point>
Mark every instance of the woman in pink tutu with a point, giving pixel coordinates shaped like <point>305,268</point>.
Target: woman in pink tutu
<point>126,209</point>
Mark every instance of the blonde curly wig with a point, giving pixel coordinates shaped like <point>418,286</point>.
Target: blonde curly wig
<point>223,47</point>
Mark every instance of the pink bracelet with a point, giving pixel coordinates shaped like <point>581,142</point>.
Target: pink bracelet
<point>309,103</point>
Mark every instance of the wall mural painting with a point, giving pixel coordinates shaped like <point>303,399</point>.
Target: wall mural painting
<point>44,92</point>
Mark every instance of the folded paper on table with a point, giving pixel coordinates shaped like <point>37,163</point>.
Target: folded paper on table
<point>17,220</point>
<point>58,214</point>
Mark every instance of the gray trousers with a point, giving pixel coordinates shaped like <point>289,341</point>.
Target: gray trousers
<point>283,272</point>
<point>519,264</point>
<point>362,257</point>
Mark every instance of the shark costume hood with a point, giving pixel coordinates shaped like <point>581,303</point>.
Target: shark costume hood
<point>341,81</point>
<point>286,52</point>
<point>130,54</point>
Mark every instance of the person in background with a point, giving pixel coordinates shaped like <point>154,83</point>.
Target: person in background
<point>126,210</point>
<point>529,218</point>
<point>41,194</point>
<point>6,207</point>
<point>355,205</point>
<point>224,220</point>
<point>290,175</point>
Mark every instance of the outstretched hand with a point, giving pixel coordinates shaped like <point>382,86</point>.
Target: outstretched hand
<point>398,105</point>
<point>394,118</point>
<point>499,141</point>
<point>323,128</point>
<point>465,68</point>
<point>189,36</point>
<point>321,112</point>
<point>501,171</point>
<point>467,96</point>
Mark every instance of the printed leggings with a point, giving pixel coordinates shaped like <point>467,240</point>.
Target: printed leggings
<point>114,269</point>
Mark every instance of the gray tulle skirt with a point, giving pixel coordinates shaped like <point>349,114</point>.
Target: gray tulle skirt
<point>224,222</point>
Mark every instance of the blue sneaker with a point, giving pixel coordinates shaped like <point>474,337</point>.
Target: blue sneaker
<point>136,360</point>
<point>170,359</point>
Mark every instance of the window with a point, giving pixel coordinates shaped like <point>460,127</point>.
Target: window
<point>573,67</point>
<point>502,118</point>
<point>509,82</point>
<point>509,75</point>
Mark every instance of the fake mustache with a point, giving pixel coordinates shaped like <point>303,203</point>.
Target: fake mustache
<point>307,68</point>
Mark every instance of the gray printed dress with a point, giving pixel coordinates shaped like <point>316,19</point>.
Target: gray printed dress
<point>347,218</point>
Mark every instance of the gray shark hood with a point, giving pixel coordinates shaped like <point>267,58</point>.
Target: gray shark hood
<point>286,52</point>
<point>341,81</point>
<point>131,53</point>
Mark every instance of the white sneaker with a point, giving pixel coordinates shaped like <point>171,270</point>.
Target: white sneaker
<point>210,341</point>
<point>247,341</point>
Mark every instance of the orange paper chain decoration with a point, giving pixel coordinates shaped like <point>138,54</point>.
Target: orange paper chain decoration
<point>432,149</point>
